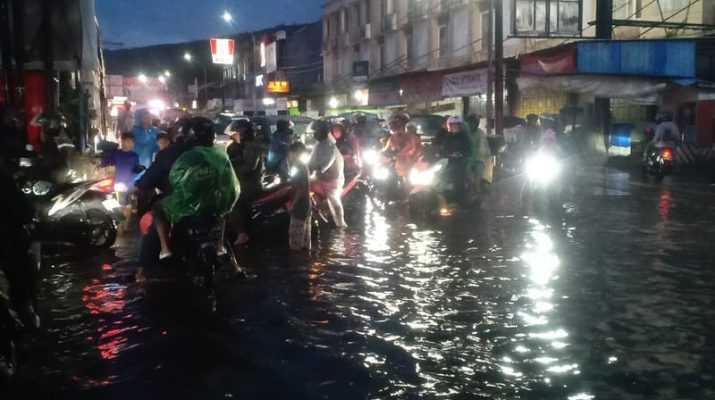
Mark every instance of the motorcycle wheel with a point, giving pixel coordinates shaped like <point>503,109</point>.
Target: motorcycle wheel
<point>102,230</point>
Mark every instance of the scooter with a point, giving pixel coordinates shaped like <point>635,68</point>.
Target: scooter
<point>426,188</point>
<point>659,161</point>
<point>82,213</point>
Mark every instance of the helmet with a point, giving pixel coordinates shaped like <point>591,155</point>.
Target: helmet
<point>52,122</point>
<point>665,116</point>
<point>242,127</point>
<point>360,118</point>
<point>398,120</point>
<point>199,130</point>
<point>455,119</point>
<point>320,129</point>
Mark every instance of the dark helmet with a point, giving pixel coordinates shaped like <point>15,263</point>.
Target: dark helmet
<point>532,118</point>
<point>284,125</point>
<point>398,120</point>
<point>360,118</point>
<point>244,128</point>
<point>320,129</point>
<point>52,122</point>
<point>199,130</point>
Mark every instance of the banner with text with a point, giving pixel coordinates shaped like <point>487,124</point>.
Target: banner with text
<point>466,83</point>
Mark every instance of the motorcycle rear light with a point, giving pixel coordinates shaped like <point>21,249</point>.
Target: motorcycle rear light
<point>106,185</point>
<point>667,154</point>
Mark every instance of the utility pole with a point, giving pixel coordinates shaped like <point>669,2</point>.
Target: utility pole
<point>490,68</point>
<point>7,52</point>
<point>604,30</point>
<point>499,67</point>
<point>48,54</point>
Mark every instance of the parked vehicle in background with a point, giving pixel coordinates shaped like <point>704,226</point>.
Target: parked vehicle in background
<point>428,125</point>
<point>266,125</point>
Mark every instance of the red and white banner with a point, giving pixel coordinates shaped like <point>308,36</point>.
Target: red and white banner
<point>561,62</point>
<point>222,51</point>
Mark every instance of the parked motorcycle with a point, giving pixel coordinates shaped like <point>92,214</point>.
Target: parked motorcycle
<point>82,213</point>
<point>659,162</point>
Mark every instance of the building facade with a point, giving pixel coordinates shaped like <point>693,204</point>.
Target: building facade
<point>432,55</point>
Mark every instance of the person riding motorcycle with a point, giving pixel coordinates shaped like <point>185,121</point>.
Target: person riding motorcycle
<point>458,148</point>
<point>401,146</point>
<point>349,146</point>
<point>245,153</point>
<point>362,131</point>
<point>194,177</point>
<point>666,134</point>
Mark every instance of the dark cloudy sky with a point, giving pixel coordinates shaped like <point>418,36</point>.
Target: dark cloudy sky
<point>144,22</point>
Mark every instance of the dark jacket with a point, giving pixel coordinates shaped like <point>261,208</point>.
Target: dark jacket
<point>157,176</point>
<point>247,162</point>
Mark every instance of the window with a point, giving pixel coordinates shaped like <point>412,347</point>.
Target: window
<point>673,5</point>
<point>343,20</point>
<point>366,7</point>
<point>408,48</point>
<point>485,31</point>
<point>388,7</point>
<point>547,17</point>
<point>383,56</point>
<point>443,41</point>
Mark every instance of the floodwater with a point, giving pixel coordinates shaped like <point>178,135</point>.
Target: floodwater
<point>611,296</point>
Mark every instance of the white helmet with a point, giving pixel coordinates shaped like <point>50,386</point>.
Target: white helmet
<point>455,119</point>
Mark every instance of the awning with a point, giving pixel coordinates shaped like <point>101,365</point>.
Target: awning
<point>636,89</point>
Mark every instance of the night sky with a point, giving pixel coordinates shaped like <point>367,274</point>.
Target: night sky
<point>145,22</point>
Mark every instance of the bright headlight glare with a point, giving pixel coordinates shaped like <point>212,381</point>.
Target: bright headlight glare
<point>370,157</point>
<point>305,158</point>
<point>120,187</point>
<point>543,168</point>
<point>421,178</point>
<point>293,171</point>
<point>381,173</point>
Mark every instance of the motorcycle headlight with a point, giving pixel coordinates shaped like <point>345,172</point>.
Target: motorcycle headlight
<point>370,157</point>
<point>381,173</point>
<point>120,187</point>
<point>305,158</point>
<point>293,171</point>
<point>421,178</point>
<point>543,168</point>
<point>41,188</point>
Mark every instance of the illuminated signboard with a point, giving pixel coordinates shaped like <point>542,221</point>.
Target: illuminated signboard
<point>278,87</point>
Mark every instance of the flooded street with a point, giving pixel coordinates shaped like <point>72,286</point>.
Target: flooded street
<point>611,296</point>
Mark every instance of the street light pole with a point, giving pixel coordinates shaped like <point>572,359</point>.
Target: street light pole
<point>253,83</point>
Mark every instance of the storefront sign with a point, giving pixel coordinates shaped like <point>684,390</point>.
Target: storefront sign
<point>563,62</point>
<point>278,87</point>
<point>222,51</point>
<point>464,83</point>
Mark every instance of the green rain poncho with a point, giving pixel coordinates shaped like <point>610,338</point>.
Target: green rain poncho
<point>203,182</point>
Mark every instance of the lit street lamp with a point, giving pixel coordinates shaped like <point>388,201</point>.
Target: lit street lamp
<point>162,79</point>
<point>187,56</point>
<point>142,78</point>
<point>167,73</point>
<point>227,17</point>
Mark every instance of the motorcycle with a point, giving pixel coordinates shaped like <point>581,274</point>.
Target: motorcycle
<point>382,178</point>
<point>427,187</point>
<point>82,213</point>
<point>543,172</point>
<point>659,161</point>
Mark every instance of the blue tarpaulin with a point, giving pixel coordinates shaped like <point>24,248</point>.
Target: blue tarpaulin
<point>654,58</point>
